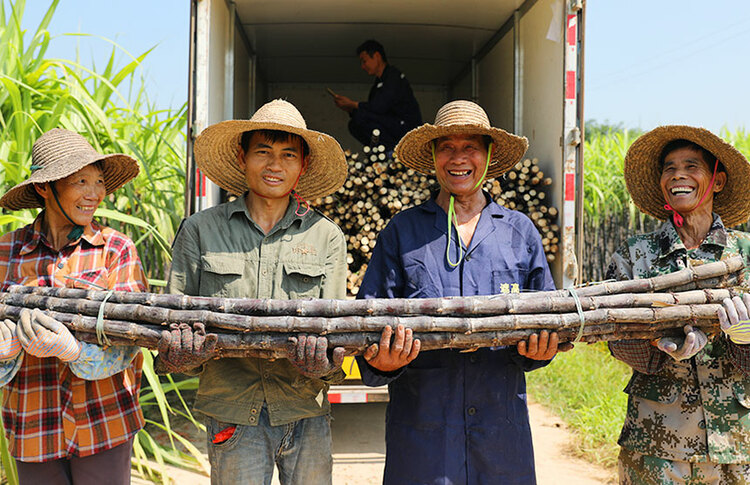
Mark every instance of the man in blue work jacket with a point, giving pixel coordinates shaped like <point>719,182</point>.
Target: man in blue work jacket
<point>457,417</point>
<point>391,107</point>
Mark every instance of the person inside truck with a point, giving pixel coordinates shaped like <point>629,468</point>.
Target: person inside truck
<point>267,243</point>
<point>391,107</point>
<point>688,398</point>
<point>457,417</point>
<point>70,408</point>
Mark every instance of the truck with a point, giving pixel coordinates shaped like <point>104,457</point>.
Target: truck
<point>521,60</point>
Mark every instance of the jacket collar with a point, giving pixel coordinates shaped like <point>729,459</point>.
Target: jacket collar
<point>290,216</point>
<point>92,234</point>
<point>669,240</point>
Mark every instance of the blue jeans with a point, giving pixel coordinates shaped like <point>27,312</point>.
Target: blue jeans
<point>302,451</point>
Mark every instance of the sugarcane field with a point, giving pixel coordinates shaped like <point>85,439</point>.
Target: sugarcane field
<point>353,243</point>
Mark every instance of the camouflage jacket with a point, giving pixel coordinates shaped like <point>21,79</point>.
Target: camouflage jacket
<point>698,409</point>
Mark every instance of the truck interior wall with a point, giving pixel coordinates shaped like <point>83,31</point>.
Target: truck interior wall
<point>242,79</point>
<point>321,114</point>
<point>495,72</point>
<point>461,89</point>
<point>542,98</point>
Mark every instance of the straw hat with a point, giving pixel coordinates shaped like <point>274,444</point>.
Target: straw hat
<point>59,153</point>
<point>217,146</point>
<point>642,174</point>
<point>457,118</point>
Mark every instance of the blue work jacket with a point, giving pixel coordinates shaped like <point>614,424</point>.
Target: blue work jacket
<point>457,417</point>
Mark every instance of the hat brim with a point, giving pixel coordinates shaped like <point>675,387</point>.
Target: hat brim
<point>642,175</point>
<point>216,150</point>
<point>415,150</point>
<point>118,169</point>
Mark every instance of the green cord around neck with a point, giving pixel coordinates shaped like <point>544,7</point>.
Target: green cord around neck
<point>77,230</point>
<point>452,218</point>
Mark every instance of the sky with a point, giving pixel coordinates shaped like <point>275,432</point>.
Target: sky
<point>647,62</point>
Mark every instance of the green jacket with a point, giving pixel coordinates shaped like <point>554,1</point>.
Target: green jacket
<point>222,252</point>
<point>695,410</point>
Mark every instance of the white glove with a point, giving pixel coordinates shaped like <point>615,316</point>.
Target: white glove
<point>693,342</point>
<point>734,320</point>
<point>43,336</point>
<point>10,347</point>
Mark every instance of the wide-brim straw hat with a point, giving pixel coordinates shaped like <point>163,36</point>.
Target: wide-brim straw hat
<point>217,146</point>
<point>59,153</point>
<point>460,118</point>
<point>642,173</point>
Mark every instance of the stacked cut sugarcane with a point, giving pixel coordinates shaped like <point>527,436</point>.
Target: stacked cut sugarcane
<point>378,187</point>
<point>631,309</point>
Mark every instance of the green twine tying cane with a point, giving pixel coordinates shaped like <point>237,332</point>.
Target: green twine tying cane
<point>581,317</point>
<point>101,337</point>
<point>452,219</point>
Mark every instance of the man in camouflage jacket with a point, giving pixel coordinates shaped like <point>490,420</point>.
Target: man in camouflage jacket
<point>694,410</point>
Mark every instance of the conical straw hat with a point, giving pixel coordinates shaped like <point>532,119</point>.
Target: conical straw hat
<point>59,153</point>
<point>642,173</point>
<point>217,146</point>
<point>458,118</point>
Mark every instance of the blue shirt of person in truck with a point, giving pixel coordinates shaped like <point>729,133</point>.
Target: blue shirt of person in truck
<point>457,417</point>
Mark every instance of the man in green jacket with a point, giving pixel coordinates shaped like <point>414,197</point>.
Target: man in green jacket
<point>267,243</point>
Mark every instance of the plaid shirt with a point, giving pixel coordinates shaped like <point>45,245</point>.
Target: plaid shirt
<point>49,412</point>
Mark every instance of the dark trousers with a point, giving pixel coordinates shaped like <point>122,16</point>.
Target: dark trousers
<point>363,122</point>
<point>110,467</point>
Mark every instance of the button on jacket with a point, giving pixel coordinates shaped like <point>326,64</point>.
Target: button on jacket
<point>695,410</point>
<point>457,417</point>
<point>221,252</point>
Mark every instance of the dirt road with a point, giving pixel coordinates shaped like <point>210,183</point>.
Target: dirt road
<point>359,450</point>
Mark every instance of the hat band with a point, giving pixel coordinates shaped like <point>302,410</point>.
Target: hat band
<point>77,230</point>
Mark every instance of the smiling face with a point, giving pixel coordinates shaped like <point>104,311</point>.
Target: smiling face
<point>79,194</point>
<point>460,162</point>
<point>685,177</point>
<point>272,168</point>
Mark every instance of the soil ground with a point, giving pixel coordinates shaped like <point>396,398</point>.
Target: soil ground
<point>359,449</point>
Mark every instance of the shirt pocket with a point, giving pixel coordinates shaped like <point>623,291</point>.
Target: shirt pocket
<point>302,279</point>
<point>654,388</point>
<point>508,280</point>
<point>221,275</point>
<point>92,279</point>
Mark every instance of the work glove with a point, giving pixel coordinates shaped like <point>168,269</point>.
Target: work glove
<point>734,320</point>
<point>43,336</point>
<point>10,346</point>
<point>182,348</point>
<point>309,354</point>
<point>683,349</point>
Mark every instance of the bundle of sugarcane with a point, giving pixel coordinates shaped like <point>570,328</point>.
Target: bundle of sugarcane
<point>631,309</point>
<point>378,187</point>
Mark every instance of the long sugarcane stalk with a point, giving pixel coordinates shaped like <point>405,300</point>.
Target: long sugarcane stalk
<point>274,345</point>
<point>611,320</point>
<point>150,314</point>
<point>424,323</point>
<point>162,308</point>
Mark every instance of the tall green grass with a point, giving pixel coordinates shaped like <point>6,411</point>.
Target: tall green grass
<point>584,387</point>
<point>112,110</point>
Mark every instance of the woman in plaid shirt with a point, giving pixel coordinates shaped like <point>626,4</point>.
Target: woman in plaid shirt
<point>70,408</point>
